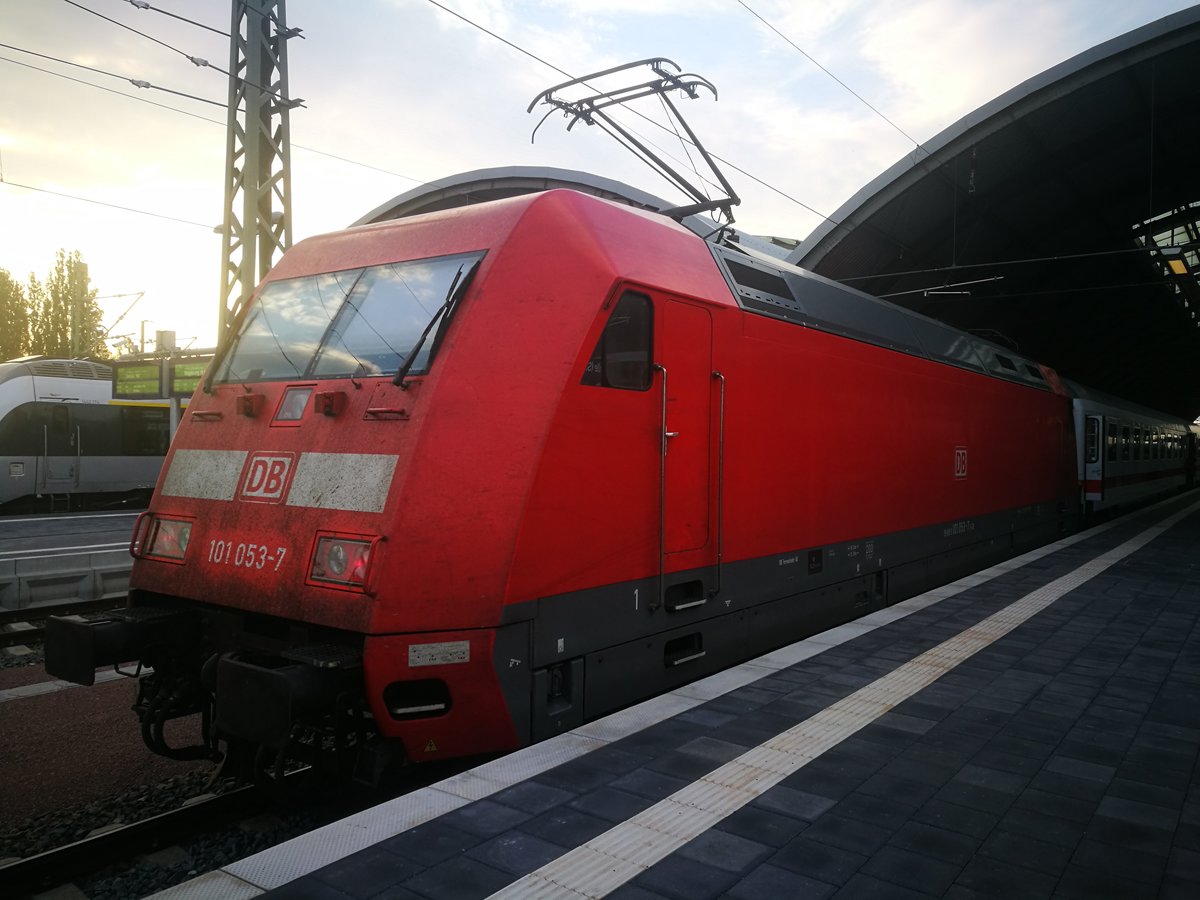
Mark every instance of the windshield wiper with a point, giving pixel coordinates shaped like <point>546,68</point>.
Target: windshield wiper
<point>451,296</point>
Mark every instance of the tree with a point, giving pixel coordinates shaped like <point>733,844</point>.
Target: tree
<point>14,318</point>
<point>64,318</point>
<point>75,307</point>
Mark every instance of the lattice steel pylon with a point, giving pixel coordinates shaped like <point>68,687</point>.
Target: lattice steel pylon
<point>258,194</point>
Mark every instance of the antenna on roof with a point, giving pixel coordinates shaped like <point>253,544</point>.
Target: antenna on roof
<point>592,111</point>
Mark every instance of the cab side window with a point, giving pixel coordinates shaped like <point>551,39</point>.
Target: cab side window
<point>623,356</point>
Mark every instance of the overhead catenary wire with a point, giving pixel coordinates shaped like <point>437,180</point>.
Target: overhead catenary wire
<point>198,61</point>
<point>569,76</point>
<point>142,4</point>
<point>136,82</point>
<point>129,209</point>
<point>183,112</point>
<point>807,56</point>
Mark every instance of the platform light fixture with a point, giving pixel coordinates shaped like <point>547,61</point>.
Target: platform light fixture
<point>1175,260</point>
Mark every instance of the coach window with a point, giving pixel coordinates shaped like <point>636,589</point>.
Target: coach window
<point>1137,443</point>
<point>1112,442</point>
<point>1125,443</point>
<point>622,357</point>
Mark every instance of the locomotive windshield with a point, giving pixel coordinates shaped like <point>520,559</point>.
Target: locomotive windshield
<point>349,323</point>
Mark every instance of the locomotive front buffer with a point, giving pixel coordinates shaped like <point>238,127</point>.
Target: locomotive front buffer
<point>267,706</point>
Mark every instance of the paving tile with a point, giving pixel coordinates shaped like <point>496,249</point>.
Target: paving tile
<point>763,825</point>
<point>366,873</point>
<point>863,886</point>
<point>1002,761</point>
<point>849,834</point>
<point>1068,786</point>
<point>1009,744</point>
<point>907,723</point>
<point>881,785</point>
<point>633,892</point>
<point>1184,865</point>
<point>461,878</point>
<point>650,784</point>
<point>726,851</point>
<point>769,881</point>
<point>888,812</point>
<point>1079,768</point>
<point>1024,850</point>
<point>611,804</point>
<point>938,843</point>
<point>713,749</point>
<point>1035,824</point>
<point>818,860</point>
<point>706,718</point>
<point>1129,835</point>
<point>484,818</point>
<point>912,870</point>
<point>615,760</point>
<point>532,797</point>
<point>1121,860</point>
<point>300,889</point>
<point>577,776</point>
<point>516,852</point>
<point>976,798</point>
<point>931,773</point>
<point>955,818</point>
<point>1137,813</point>
<point>992,779</point>
<point>1057,805</point>
<point>567,827</point>
<point>431,843</point>
<point>826,779</point>
<point>685,879</point>
<point>792,802</point>
<point>993,877</point>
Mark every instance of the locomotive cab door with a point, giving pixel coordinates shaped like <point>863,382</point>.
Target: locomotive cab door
<point>1093,457</point>
<point>685,369</point>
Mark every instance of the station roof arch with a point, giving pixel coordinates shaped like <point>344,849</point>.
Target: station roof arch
<point>1061,217</point>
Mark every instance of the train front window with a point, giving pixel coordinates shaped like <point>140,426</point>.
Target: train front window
<point>356,322</point>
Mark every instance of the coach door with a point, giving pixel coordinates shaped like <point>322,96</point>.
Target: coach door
<point>58,469</point>
<point>685,370</point>
<point>1093,457</point>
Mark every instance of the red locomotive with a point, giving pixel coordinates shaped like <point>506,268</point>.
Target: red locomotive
<point>463,481</point>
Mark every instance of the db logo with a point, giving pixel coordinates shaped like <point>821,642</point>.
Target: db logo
<point>960,462</point>
<point>266,477</point>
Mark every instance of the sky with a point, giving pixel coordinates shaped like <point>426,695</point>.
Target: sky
<point>397,93</point>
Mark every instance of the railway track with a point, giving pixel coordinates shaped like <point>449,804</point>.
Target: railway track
<point>106,848</point>
<point>27,625</point>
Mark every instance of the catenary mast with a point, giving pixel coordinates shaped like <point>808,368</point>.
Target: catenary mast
<point>258,196</point>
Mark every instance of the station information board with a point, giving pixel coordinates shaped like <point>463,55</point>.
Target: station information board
<point>184,375</point>
<point>137,379</point>
<point>157,379</point>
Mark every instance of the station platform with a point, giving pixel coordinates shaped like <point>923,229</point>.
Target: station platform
<point>1029,731</point>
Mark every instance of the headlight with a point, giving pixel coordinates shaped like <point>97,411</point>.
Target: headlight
<point>168,539</point>
<point>342,561</point>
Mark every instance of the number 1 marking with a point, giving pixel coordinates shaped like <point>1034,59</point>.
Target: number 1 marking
<point>635,599</point>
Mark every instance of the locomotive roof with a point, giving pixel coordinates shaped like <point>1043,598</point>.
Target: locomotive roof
<point>768,287</point>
